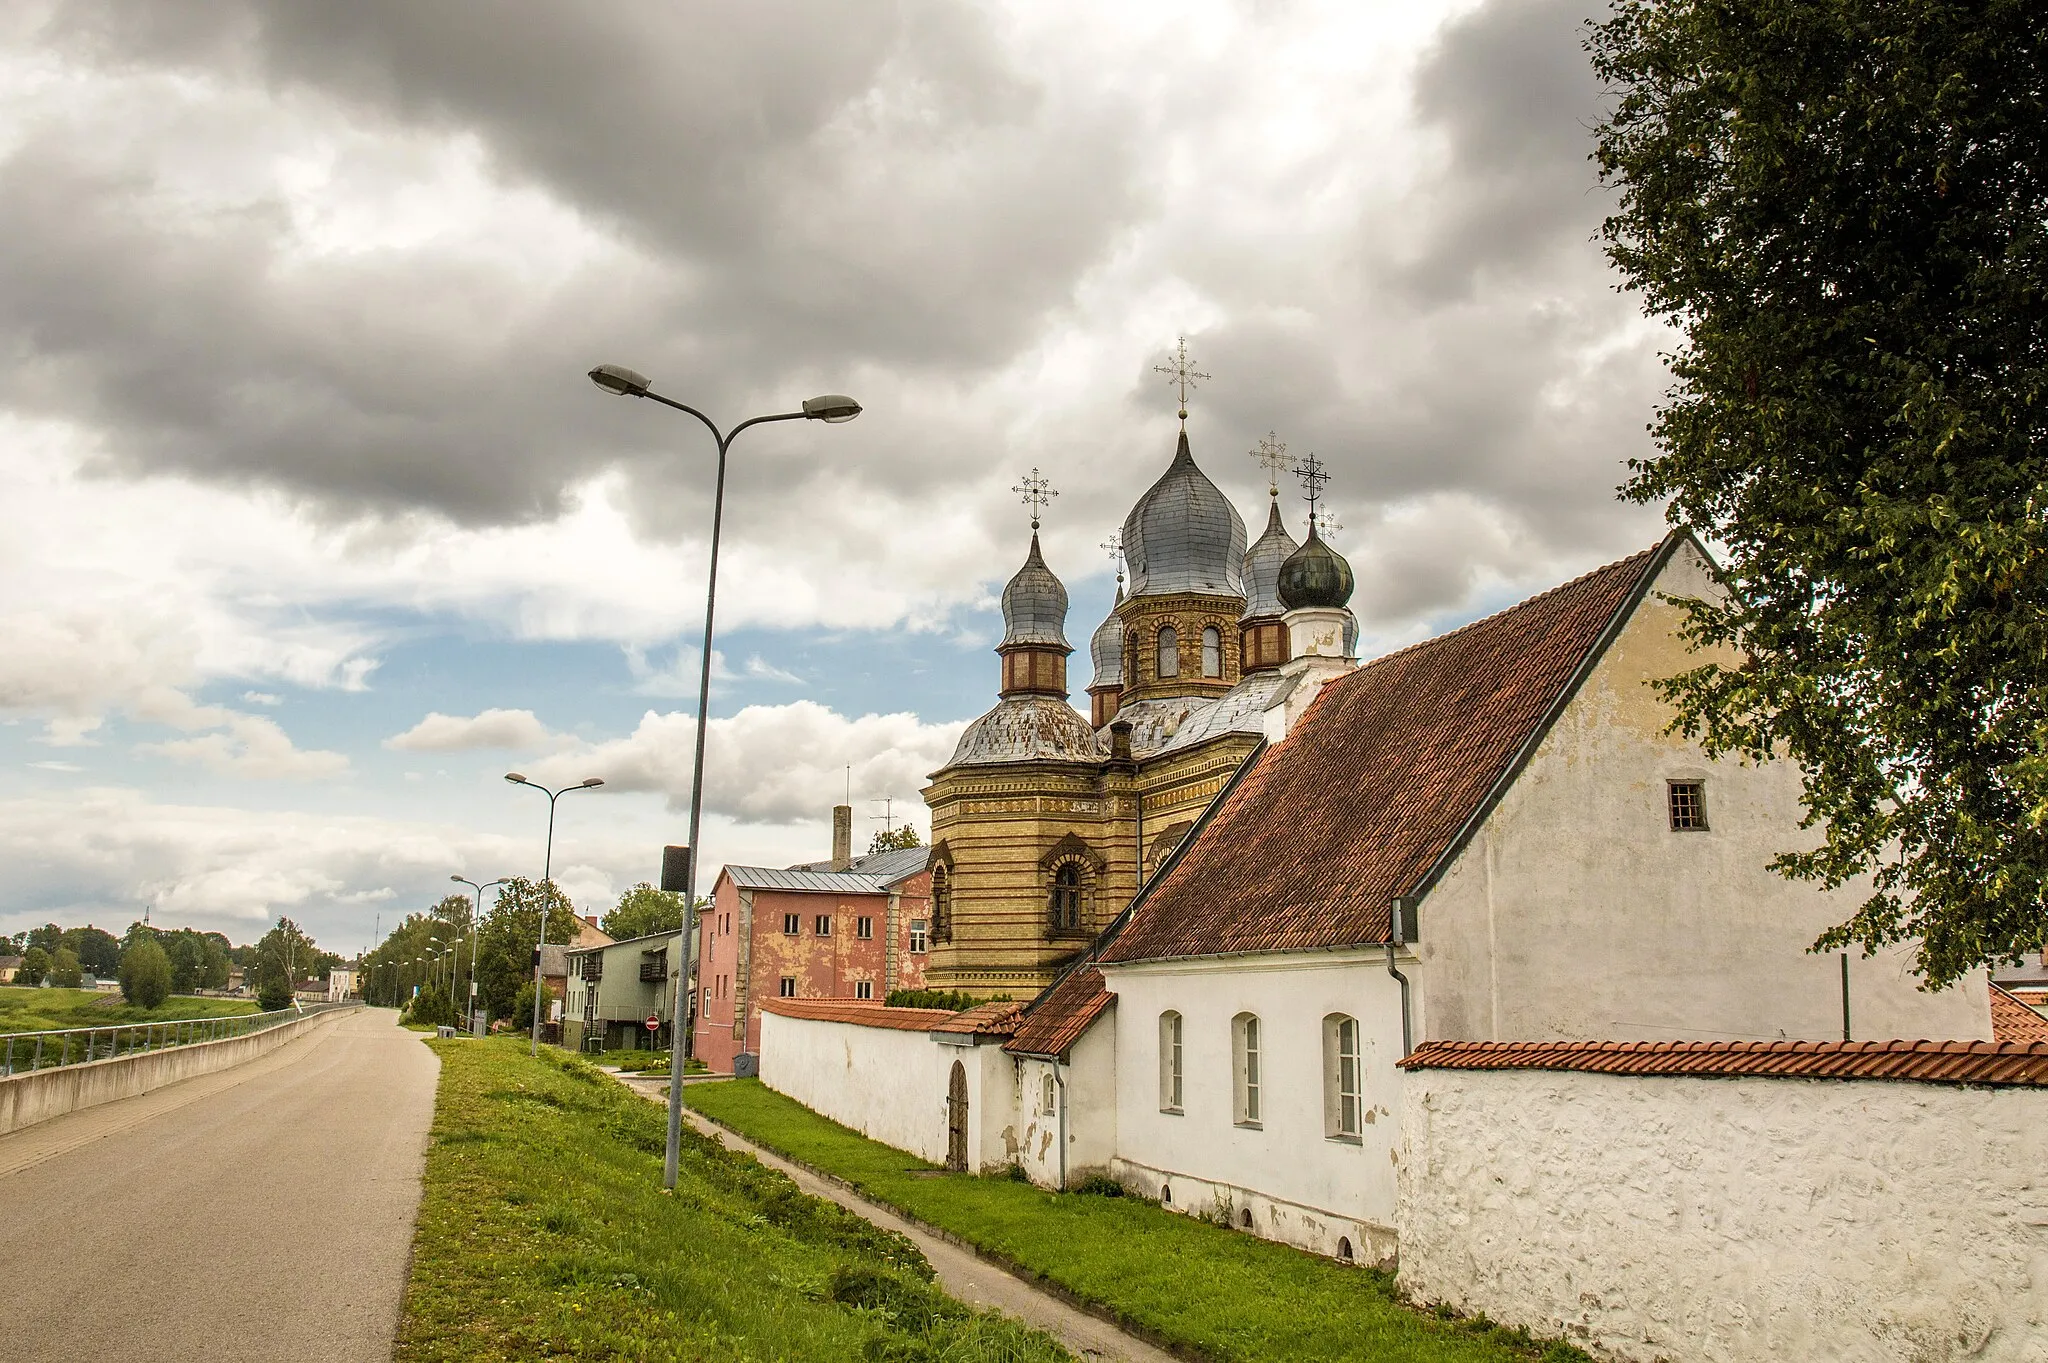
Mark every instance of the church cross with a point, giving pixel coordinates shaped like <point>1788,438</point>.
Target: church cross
<point>1313,473</point>
<point>1114,547</point>
<point>1272,457</point>
<point>1036,492</point>
<point>1182,375</point>
<point>1326,521</point>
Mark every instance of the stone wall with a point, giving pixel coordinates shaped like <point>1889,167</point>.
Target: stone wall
<point>1682,1220</point>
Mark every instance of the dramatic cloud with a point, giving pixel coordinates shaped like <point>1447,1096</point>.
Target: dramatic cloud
<point>517,729</point>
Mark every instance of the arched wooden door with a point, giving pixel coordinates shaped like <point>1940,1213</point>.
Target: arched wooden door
<point>956,1119</point>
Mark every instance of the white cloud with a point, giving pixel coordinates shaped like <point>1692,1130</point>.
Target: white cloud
<point>517,729</point>
<point>251,746</point>
<point>262,698</point>
<point>56,766</point>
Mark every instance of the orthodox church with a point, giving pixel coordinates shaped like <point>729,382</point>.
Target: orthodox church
<point>1045,822</point>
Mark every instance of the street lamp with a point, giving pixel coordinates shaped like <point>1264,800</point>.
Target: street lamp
<point>547,880</point>
<point>469,1001</point>
<point>832,408</point>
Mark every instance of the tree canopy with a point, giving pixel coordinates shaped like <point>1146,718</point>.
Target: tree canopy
<point>145,973</point>
<point>1843,206</point>
<point>506,938</point>
<point>644,910</point>
<point>894,839</point>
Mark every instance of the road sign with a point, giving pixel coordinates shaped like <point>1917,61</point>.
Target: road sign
<point>653,1022</point>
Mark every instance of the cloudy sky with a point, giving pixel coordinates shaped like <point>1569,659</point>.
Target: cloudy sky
<point>311,527</point>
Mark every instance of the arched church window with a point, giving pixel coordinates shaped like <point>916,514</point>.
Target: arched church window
<point>1343,1079</point>
<point>1169,652</point>
<point>1131,658</point>
<point>942,904</point>
<point>1212,652</point>
<point>1169,1065</point>
<point>1065,901</point>
<point>1245,1070</point>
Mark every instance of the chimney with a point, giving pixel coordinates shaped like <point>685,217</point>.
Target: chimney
<point>591,919</point>
<point>842,837</point>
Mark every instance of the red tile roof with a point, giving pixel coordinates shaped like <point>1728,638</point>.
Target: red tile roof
<point>2013,1020</point>
<point>1059,1018</point>
<point>984,1019</point>
<point>1375,783</point>
<point>861,1012</point>
<point>1936,1062</point>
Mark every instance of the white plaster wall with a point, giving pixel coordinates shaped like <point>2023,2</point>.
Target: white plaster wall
<point>1725,1221</point>
<point>891,1085</point>
<point>1576,912</point>
<point>1090,1075</point>
<point>1300,1186</point>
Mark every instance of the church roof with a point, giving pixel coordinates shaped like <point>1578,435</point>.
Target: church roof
<point>1370,793</point>
<point>1059,1017</point>
<point>1262,569</point>
<point>1184,535</point>
<point>1027,729</point>
<point>1035,603</point>
<point>1240,710</point>
<point>1315,575</point>
<point>1106,648</point>
<point>2009,1063</point>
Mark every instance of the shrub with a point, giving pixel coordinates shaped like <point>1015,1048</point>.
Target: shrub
<point>273,987</point>
<point>35,964</point>
<point>521,1016</point>
<point>146,974</point>
<point>953,1000</point>
<point>1099,1185</point>
<point>65,972</point>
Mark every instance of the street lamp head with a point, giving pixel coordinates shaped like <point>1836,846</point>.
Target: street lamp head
<point>458,880</point>
<point>833,407</point>
<point>616,378</point>
<point>515,778</point>
<point>593,781</point>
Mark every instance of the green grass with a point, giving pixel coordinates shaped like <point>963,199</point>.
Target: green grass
<point>47,1010</point>
<point>544,1233</point>
<point>647,1062</point>
<point>1222,1294</point>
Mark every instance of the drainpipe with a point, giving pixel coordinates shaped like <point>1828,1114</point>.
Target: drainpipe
<point>1845,996</point>
<point>1400,939</point>
<point>1060,1083</point>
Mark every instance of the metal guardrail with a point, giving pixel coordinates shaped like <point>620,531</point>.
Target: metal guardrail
<point>26,1052</point>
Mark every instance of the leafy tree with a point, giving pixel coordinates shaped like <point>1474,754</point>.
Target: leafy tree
<point>644,910</point>
<point>99,951</point>
<point>35,967</point>
<point>432,1007</point>
<point>892,840</point>
<point>65,972</point>
<point>505,940</point>
<point>49,937</point>
<point>1840,204</point>
<point>522,1005</point>
<point>146,973</point>
<point>273,985</point>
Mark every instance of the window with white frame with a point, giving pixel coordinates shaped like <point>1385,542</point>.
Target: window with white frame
<point>1048,1103</point>
<point>1169,1062</point>
<point>824,925</point>
<point>1244,1068</point>
<point>1343,1079</point>
<point>792,924</point>
<point>920,937</point>
<point>1212,652</point>
<point>864,928</point>
<point>788,986</point>
<point>863,989</point>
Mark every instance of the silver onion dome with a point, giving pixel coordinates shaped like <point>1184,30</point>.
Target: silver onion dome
<point>1106,648</point>
<point>1027,729</point>
<point>1184,535</point>
<point>1035,604</point>
<point>1262,569</point>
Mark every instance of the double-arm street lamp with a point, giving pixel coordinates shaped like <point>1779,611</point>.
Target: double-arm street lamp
<point>547,880</point>
<point>830,408</point>
<point>475,921</point>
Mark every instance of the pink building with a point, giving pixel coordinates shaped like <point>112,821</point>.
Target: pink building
<point>807,932</point>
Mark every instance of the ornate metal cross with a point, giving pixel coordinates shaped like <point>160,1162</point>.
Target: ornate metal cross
<point>1114,547</point>
<point>1182,375</point>
<point>1037,493</point>
<point>1325,521</point>
<point>1272,457</point>
<point>1313,473</point>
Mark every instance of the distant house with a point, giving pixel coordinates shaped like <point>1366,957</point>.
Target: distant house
<point>310,991</point>
<point>10,966</point>
<point>554,960</point>
<point>614,988</point>
<point>341,985</point>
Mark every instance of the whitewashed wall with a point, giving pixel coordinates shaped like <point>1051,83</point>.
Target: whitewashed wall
<point>1090,1116</point>
<point>1577,913</point>
<point>1732,1220</point>
<point>890,1085</point>
<point>1300,1186</point>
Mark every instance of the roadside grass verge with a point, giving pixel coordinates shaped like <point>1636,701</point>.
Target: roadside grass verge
<point>543,1233</point>
<point>1226,1295</point>
<point>49,1010</point>
<point>646,1062</point>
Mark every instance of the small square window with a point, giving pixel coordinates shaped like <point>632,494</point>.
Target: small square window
<point>864,928</point>
<point>792,924</point>
<point>1688,806</point>
<point>863,989</point>
<point>920,936</point>
<point>788,988</point>
<point>824,925</point>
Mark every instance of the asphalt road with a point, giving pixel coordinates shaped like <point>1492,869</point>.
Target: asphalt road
<point>261,1214</point>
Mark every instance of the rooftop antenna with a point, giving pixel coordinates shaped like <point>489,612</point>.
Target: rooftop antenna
<point>1314,474</point>
<point>1271,455</point>
<point>1181,374</point>
<point>887,818</point>
<point>1036,492</point>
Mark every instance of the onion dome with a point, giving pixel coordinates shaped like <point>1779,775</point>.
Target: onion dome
<point>1262,569</point>
<point>1035,604</point>
<point>1315,575</point>
<point>1184,536</point>
<point>1027,729</point>
<point>1106,648</point>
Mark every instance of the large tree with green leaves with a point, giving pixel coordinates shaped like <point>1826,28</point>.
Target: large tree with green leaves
<point>505,940</point>
<point>644,910</point>
<point>145,973</point>
<point>1843,206</point>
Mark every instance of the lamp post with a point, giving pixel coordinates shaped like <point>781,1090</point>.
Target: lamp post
<point>547,880</point>
<point>832,408</point>
<point>469,999</point>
